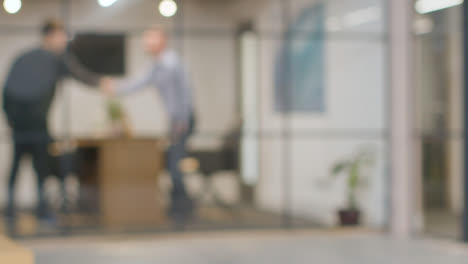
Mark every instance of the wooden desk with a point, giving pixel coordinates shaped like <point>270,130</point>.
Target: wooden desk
<point>119,180</point>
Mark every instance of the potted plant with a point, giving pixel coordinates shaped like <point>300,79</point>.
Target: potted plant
<point>355,169</point>
<point>116,114</point>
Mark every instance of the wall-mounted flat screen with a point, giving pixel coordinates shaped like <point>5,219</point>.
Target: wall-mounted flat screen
<point>100,53</point>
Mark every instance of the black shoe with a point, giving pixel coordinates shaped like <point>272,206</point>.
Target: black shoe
<point>66,209</point>
<point>45,216</point>
<point>10,222</point>
<point>10,212</point>
<point>182,210</point>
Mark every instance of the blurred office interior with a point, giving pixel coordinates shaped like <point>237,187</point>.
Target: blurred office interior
<point>284,90</point>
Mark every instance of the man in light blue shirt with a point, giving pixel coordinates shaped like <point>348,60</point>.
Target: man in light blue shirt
<point>168,76</point>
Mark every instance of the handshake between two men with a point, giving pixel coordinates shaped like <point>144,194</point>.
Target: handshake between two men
<point>107,86</point>
<point>30,88</point>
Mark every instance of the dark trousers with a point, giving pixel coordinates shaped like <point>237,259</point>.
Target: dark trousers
<point>176,152</point>
<point>36,146</point>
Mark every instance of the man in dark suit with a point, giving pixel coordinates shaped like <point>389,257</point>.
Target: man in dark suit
<point>27,96</point>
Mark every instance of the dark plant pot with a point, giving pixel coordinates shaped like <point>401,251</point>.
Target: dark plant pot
<point>349,217</point>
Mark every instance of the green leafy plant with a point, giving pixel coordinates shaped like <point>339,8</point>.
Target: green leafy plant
<point>355,170</point>
<point>120,127</point>
<point>115,111</point>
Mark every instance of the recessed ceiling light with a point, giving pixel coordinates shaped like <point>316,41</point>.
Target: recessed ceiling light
<point>12,6</point>
<point>106,3</point>
<point>168,8</point>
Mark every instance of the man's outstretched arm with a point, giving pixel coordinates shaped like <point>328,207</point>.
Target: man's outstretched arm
<point>72,67</point>
<point>136,84</point>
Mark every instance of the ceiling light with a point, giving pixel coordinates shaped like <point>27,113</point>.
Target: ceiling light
<point>427,6</point>
<point>12,6</point>
<point>106,3</point>
<point>167,8</point>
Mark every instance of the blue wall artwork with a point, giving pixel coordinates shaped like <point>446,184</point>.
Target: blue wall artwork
<point>299,71</point>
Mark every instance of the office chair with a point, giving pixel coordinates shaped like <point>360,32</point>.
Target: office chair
<point>209,163</point>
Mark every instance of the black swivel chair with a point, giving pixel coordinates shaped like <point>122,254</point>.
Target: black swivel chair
<point>210,162</point>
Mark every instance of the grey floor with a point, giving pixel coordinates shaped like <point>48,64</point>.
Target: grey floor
<point>249,247</point>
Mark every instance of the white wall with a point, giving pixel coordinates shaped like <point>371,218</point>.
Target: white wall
<point>355,101</point>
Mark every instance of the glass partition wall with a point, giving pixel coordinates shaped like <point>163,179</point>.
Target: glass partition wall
<point>284,91</point>
<point>439,95</point>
